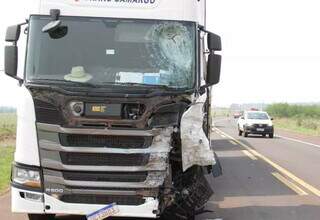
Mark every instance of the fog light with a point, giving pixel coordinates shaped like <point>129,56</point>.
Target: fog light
<point>33,197</point>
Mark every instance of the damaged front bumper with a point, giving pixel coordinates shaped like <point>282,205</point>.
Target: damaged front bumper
<point>52,205</point>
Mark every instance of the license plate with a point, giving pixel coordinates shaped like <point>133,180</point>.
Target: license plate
<point>104,213</point>
<point>260,129</point>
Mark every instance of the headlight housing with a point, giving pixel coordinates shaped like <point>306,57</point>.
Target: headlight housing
<point>29,177</point>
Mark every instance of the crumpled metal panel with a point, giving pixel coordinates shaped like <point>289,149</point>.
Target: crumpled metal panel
<point>195,144</point>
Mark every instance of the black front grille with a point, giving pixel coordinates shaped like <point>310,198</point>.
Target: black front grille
<point>260,125</point>
<point>103,199</point>
<point>106,176</point>
<point>127,142</point>
<point>47,113</point>
<point>98,159</point>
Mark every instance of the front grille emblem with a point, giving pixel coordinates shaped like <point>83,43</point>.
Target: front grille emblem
<point>77,108</point>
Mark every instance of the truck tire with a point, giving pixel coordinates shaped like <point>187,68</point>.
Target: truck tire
<point>271,135</point>
<point>245,134</point>
<point>41,217</point>
<point>193,192</point>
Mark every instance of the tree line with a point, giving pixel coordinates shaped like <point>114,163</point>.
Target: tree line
<point>284,110</point>
<point>5,109</point>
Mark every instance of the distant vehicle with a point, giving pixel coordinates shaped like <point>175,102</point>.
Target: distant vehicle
<point>255,122</point>
<point>237,115</point>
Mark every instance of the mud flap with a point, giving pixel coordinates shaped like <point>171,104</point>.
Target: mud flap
<point>217,168</point>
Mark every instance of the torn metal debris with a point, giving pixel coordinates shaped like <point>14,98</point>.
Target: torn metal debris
<point>195,144</point>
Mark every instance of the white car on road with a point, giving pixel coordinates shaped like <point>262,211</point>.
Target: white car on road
<point>255,122</point>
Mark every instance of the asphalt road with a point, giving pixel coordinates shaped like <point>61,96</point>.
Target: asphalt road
<point>264,179</point>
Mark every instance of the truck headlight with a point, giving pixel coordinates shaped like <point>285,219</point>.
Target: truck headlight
<point>26,177</point>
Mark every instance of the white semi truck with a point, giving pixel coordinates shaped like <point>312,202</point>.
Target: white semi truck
<point>114,108</point>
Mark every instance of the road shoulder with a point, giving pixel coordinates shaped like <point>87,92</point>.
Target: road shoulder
<point>301,137</point>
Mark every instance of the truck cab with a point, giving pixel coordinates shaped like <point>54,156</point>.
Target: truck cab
<point>114,108</point>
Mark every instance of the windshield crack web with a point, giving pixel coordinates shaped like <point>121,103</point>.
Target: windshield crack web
<point>172,52</point>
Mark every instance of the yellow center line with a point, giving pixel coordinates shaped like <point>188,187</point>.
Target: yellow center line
<point>278,167</point>
<point>232,142</point>
<point>289,184</point>
<point>250,155</point>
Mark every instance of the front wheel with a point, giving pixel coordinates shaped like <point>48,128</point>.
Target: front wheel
<point>271,135</point>
<point>41,217</point>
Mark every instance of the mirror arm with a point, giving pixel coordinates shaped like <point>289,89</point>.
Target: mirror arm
<point>18,79</point>
<point>24,23</point>
<point>203,29</point>
<point>203,89</point>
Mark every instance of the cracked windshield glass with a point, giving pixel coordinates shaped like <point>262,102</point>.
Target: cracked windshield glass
<point>112,51</point>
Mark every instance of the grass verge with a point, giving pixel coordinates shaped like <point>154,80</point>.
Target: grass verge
<point>6,158</point>
<point>8,125</point>
<point>307,126</point>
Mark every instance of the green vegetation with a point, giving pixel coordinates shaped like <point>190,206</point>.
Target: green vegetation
<point>4,109</point>
<point>293,111</point>
<point>8,125</point>
<point>6,158</point>
<point>299,118</point>
<point>7,138</point>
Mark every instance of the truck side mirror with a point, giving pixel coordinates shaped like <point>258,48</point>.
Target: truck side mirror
<point>214,42</point>
<point>13,33</point>
<point>11,60</point>
<point>213,69</point>
<point>11,52</point>
<point>214,60</point>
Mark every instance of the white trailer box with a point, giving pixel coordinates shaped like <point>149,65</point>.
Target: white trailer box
<point>180,10</point>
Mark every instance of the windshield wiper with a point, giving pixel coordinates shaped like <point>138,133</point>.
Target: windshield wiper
<point>165,87</point>
<point>67,82</point>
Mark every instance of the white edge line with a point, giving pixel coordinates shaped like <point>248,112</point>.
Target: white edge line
<point>299,141</point>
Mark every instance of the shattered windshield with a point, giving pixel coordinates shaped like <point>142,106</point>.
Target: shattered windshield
<point>103,51</point>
